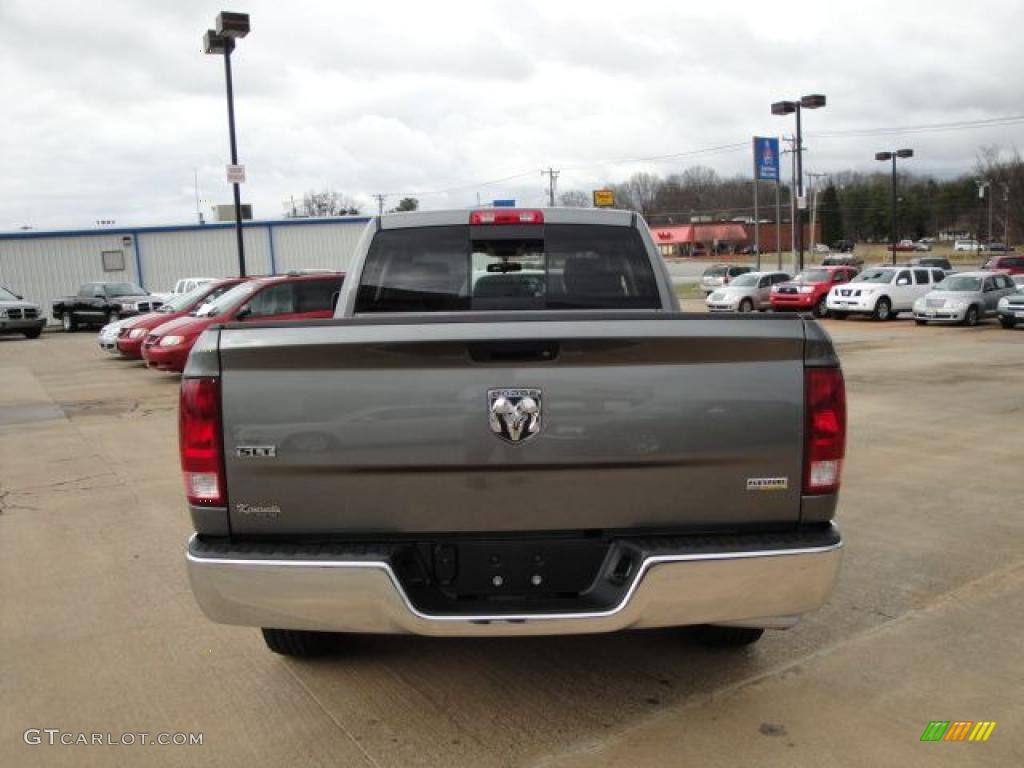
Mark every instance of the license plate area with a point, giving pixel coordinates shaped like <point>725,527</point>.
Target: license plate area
<point>494,576</point>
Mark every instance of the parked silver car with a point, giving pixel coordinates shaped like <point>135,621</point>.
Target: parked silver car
<point>746,292</point>
<point>965,297</point>
<point>19,316</point>
<point>718,275</point>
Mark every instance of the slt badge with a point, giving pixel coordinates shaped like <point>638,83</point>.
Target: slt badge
<point>514,413</point>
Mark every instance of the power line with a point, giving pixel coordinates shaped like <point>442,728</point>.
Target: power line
<point>994,122</point>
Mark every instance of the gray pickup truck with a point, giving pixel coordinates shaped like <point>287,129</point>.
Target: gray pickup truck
<point>509,428</point>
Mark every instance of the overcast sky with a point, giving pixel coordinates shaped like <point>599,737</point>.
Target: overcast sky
<point>108,107</point>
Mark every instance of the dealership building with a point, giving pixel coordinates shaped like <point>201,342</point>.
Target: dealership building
<point>43,266</point>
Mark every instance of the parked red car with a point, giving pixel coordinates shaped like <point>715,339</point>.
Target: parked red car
<point>134,331</point>
<point>808,290</point>
<point>285,297</point>
<point>1009,264</point>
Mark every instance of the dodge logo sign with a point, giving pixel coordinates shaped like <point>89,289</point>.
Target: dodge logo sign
<point>514,413</point>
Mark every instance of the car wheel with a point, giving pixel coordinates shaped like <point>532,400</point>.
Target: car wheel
<point>746,306</point>
<point>727,637</point>
<point>296,642</point>
<point>1007,322</point>
<point>920,322</point>
<point>67,321</point>
<point>971,316</point>
<point>821,308</point>
<point>883,309</point>
<point>33,334</point>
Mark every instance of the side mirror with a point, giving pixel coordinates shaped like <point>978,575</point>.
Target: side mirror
<point>243,312</point>
<point>19,297</point>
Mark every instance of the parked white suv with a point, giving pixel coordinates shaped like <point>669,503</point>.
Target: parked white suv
<point>882,292</point>
<point>966,245</point>
<point>185,285</point>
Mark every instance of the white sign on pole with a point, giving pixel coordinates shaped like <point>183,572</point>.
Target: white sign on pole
<point>801,203</point>
<point>236,174</point>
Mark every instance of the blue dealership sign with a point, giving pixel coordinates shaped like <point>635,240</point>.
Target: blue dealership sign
<point>766,158</point>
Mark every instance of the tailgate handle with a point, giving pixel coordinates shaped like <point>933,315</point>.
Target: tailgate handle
<point>513,351</point>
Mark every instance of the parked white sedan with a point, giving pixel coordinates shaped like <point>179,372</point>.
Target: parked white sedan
<point>746,292</point>
<point>882,292</point>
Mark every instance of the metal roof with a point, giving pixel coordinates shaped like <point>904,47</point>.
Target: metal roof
<point>107,231</point>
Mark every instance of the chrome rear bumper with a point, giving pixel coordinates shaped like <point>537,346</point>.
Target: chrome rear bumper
<point>769,588</point>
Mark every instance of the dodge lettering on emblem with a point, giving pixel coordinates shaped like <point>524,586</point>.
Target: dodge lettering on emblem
<point>515,414</point>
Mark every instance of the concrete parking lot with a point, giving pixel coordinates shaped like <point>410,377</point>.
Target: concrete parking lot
<point>99,631</point>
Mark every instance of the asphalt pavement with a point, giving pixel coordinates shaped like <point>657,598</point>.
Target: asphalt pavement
<point>99,632</point>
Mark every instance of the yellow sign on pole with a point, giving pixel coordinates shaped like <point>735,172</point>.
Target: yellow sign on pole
<point>604,198</point>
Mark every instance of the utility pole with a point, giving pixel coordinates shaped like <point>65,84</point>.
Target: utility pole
<point>791,140</point>
<point>983,185</point>
<point>380,204</point>
<point>814,201</point>
<point>552,175</point>
<point>1006,214</point>
<point>990,198</point>
<point>195,180</point>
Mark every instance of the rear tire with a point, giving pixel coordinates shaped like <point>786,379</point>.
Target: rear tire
<point>821,308</point>
<point>971,316</point>
<point>1007,322</point>
<point>746,306</point>
<point>33,334</point>
<point>68,322</point>
<point>713,636</point>
<point>297,642</point>
<point>883,310</point>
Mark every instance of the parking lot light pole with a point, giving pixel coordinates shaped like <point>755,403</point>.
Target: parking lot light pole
<point>813,101</point>
<point>222,41</point>
<point>902,154</point>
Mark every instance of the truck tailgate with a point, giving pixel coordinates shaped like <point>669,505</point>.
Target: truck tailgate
<point>373,426</point>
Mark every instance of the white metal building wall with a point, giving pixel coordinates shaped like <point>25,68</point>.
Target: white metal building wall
<point>210,252</point>
<point>45,268</point>
<point>315,246</point>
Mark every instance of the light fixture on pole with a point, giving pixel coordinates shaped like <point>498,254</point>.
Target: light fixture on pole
<point>221,40</point>
<point>813,101</point>
<point>902,154</point>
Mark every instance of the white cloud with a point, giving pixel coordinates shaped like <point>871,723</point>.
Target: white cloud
<point>109,108</point>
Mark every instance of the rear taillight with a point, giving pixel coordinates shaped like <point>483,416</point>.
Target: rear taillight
<point>825,432</point>
<point>508,216</point>
<point>200,442</point>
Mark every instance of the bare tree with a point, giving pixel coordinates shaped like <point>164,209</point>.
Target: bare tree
<point>639,193</point>
<point>574,198</point>
<point>328,202</point>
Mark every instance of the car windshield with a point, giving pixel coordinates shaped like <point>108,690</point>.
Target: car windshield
<point>6,295</point>
<point>812,276</point>
<point>124,289</point>
<point>745,281</point>
<point>874,276</point>
<point>229,300</point>
<point>959,283</point>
